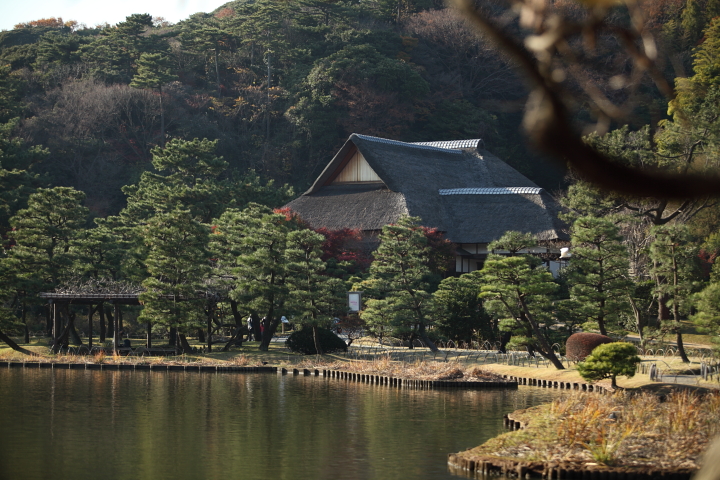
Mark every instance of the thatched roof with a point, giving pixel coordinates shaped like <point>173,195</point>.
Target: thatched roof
<point>456,187</point>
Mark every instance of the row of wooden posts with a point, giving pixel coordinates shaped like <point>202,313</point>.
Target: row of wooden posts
<point>60,332</point>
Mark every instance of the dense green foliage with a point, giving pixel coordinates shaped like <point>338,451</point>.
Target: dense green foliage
<point>279,85</point>
<point>608,361</point>
<point>598,273</point>
<point>400,298</point>
<point>305,341</point>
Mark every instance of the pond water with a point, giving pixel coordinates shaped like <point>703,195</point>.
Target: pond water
<point>82,424</point>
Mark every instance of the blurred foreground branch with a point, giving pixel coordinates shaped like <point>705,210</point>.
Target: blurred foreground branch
<point>548,56</point>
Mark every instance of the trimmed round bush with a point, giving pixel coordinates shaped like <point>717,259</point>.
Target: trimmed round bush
<point>302,341</point>
<point>580,345</point>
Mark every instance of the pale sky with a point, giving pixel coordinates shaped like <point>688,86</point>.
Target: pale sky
<point>93,12</point>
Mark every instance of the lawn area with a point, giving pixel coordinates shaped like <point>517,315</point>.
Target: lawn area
<point>418,363</point>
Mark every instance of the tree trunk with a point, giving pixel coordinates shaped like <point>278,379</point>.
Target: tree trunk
<point>268,333</point>
<point>423,336</point>
<point>91,311</point>
<point>101,311</point>
<point>681,346</point>
<point>183,344</point>
<point>15,346</point>
<point>237,338</point>
<point>239,320</point>
<point>25,325</point>
<point>504,339</point>
<point>601,326</point>
<point>55,328</point>
<point>110,322</point>
<point>48,320</point>
<point>72,331</point>
<point>639,320</point>
<point>318,348</point>
<point>544,348</point>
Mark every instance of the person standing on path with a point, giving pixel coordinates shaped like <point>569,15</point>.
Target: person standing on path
<point>250,325</point>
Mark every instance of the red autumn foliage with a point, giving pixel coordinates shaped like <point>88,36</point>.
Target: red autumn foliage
<point>580,345</point>
<point>707,259</point>
<point>225,12</point>
<point>442,250</point>
<point>338,245</point>
<point>292,217</point>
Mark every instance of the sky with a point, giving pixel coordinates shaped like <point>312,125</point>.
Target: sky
<point>93,12</point>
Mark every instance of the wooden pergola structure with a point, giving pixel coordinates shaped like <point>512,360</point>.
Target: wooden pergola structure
<point>90,299</point>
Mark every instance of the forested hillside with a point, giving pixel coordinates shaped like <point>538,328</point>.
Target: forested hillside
<point>280,84</point>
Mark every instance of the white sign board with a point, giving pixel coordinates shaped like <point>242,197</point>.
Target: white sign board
<point>354,301</point>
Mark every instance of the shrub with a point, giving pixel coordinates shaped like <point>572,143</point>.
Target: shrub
<point>580,345</point>
<point>608,361</point>
<point>302,341</point>
<point>452,374</point>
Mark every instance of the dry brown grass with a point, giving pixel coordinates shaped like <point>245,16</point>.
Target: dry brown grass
<point>622,429</point>
<point>418,370</point>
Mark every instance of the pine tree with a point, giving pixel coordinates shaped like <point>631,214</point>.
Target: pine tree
<point>517,291</point>
<point>692,23</point>
<point>152,73</point>
<point>672,257</point>
<point>461,315</point>
<point>598,272</point>
<point>608,361</point>
<point>401,273</point>
<point>315,297</point>
<point>178,265</point>
<point>44,234</point>
<point>707,312</point>
<point>252,243</point>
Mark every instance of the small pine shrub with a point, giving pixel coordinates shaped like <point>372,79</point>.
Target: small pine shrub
<point>609,361</point>
<point>580,345</point>
<point>302,341</point>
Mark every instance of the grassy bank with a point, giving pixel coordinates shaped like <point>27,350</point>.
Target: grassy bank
<point>621,430</point>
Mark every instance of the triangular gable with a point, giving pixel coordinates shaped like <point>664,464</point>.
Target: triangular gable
<point>353,168</point>
<point>356,170</point>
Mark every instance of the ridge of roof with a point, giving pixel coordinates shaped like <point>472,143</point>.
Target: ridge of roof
<point>421,145</point>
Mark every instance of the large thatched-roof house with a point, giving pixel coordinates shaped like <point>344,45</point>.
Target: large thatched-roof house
<point>457,187</point>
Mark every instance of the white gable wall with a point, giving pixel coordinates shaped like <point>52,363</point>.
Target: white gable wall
<point>357,170</point>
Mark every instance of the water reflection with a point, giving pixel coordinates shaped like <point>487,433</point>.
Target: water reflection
<point>126,424</point>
